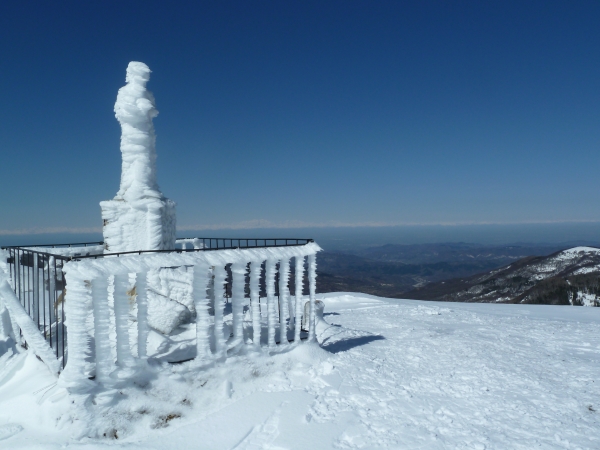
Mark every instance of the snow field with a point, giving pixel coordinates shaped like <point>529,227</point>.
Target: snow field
<point>391,374</point>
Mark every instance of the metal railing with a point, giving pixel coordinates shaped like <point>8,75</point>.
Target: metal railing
<point>40,286</point>
<point>38,282</point>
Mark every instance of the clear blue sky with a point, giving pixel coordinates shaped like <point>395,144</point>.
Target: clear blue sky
<point>301,112</point>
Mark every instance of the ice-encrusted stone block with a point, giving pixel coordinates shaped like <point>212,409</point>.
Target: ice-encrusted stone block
<point>148,224</point>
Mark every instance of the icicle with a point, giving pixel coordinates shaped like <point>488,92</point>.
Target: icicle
<point>284,275</point>
<point>220,301</point>
<point>78,303</point>
<point>271,306</point>
<point>299,284</point>
<point>255,270</point>
<point>238,275</point>
<point>312,286</point>
<point>121,308</point>
<point>202,319</point>
<point>142,313</point>
<point>104,357</point>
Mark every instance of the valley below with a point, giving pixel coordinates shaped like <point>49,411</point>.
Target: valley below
<point>520,273</point>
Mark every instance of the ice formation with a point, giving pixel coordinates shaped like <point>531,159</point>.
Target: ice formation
<point>299,282</point>
<point>26,325</point>
<point>89,282</point>
<point>312,284</point>
<point>284,273</point>
<point>270,268</point>
<point>202,315</point>
<point>142,313</point>
<point>220,276</point>
<point>139,217</point>
<point>102,328</point>
<point>238,272</point>
<point>124,356</point>
<point>255,270</point>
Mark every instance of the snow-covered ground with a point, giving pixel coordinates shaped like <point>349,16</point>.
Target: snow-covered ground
<point>392,373</point>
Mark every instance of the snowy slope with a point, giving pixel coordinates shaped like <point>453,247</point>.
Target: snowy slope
<point>393,373</point>
<point>570,276</point>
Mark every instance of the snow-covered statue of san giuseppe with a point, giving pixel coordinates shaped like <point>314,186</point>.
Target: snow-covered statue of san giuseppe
<point>139,217</point>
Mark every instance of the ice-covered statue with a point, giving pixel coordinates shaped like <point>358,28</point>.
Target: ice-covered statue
<point>139,217</point>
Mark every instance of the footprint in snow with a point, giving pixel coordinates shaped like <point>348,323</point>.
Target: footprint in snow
<point>9,429</point>
<point>261,436</point>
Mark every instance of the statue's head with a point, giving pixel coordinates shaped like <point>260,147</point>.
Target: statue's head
<point>138,73</point>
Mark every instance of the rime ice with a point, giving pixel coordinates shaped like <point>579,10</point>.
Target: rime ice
<point>139,217</point>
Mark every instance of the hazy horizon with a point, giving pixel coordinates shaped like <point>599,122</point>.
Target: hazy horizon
<point>346,238</point>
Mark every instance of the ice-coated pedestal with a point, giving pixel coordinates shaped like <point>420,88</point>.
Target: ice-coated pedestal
<point>139,217</point>
<point>148,224</point>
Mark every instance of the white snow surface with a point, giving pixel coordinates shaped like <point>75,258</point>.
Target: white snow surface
<point>390,374</point>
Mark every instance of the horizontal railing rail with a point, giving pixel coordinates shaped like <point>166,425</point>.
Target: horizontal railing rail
<point>76,244</point>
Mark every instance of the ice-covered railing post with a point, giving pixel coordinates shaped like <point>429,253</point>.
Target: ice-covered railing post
<point>139,217</point>
<point>270,267</point>
<point>284,273</point>
<point>238,273</point>
<point>201,274</point>
<point>255,270</point>
<point>312,285</point>
<point>299,281</point>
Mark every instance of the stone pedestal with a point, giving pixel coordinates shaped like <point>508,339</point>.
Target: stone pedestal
<point>147,224</point>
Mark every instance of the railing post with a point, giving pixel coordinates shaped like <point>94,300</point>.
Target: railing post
<point>200,285</point>
<point>255,269</point>
<point>141,283</point>
<point>52,296</point>
<point>121,308</point>
<point>299,269</point>
<point>78,304</point>
<point>220,301</point>
<point>238,273</point>
<point>104,357</point>
<point>271,307</point>
<point>36,290</point>
<point>284,275</point>
<point>312,285</point>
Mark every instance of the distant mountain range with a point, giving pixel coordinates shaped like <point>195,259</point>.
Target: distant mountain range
<point>568,277</point>
<point>467,272</point>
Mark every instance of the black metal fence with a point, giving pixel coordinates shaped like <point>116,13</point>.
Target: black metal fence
<point>40,286</point>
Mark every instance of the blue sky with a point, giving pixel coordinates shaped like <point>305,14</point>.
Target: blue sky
<point>302,113</point>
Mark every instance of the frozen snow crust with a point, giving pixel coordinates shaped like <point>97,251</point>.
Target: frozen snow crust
<point>391,374</point>
<point>139,217</point>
